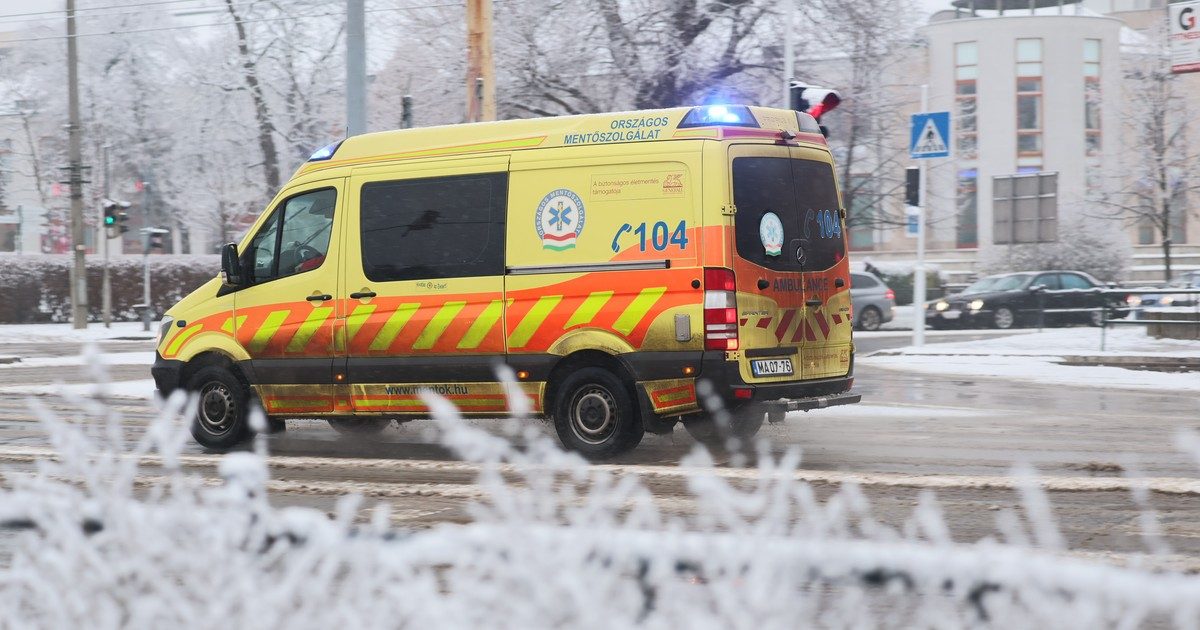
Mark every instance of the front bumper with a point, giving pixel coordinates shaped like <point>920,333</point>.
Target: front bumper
<point>166,373</point>
<point>952,317</point>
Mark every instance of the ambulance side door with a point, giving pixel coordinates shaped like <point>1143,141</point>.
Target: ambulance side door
<point>425,284</point>
<point>285,317</point>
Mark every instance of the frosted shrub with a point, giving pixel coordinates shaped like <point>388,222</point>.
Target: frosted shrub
<point>554,543</point>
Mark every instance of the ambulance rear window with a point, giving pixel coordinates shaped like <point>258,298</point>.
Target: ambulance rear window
<point>802,195</point>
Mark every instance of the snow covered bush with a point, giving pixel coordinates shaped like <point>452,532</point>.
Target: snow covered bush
<point>554,543</point>
<point>1088,245</point>
<point>36,287</point>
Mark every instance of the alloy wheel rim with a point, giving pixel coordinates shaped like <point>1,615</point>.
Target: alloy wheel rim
<point>1004,318</point>
<point>593,415</point>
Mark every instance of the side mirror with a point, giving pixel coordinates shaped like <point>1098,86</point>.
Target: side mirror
<point>1037,288</point>
<point>231,266</point>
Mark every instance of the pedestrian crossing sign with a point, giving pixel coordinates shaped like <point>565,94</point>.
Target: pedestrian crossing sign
<point>930,135</point>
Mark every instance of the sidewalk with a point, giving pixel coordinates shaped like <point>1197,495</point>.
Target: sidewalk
<point>1064,356</point>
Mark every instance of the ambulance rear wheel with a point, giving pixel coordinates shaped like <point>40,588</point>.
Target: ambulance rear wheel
<point>594,414</point>
<point>221,421</point>
<point>742,426</point>
<point>359,426</point>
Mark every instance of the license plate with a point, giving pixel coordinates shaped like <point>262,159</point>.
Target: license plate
<point>951,314</point>
<point>771,367</point>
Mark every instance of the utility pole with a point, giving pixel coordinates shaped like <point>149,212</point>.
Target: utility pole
<point>918,336</point>
<point>481,75</point>
<point>789,51</point>
<point>79,306</point>
<point>356,68</point>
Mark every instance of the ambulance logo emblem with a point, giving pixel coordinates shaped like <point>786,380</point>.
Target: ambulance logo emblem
<point>559,220</point>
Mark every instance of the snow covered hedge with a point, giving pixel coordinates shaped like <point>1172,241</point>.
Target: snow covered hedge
<point>36,288</point>
<point>554,542</point>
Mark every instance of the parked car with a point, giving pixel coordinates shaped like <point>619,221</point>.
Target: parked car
<point>1190,280</point>
<point>874,303</point>
<point>1017,299</point>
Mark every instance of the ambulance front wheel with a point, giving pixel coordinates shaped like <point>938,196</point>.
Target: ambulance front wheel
<point>594,414</point>
<point>223,403</point>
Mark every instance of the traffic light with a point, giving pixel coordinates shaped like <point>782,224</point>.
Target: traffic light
<point>814,101</point>
<point>114,217</point>
<point>912,186</point>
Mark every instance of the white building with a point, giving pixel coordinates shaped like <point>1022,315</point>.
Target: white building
<point>1038,87</point>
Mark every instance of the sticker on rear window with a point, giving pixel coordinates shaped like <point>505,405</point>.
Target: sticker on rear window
<point>770,231</point>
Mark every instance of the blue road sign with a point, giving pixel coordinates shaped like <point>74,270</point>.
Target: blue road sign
<point>930,135</point>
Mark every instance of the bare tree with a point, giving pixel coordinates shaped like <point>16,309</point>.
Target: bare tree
<point>1156,179</point>
<point>865,58</point>
<point>262,111</point>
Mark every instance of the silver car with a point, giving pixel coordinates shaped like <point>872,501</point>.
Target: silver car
<point>874,302</point>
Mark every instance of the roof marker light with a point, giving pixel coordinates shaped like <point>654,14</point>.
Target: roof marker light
<point>325,152</point>
<point>718,116</point>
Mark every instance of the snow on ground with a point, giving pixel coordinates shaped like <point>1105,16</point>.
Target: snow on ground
<point>48,333</point>
<point>137,389</point>
<point>104,358</point>
<point>1038,357</point>
<point>1078,341</point>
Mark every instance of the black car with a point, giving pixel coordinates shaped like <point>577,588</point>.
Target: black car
<point>1016,299</point>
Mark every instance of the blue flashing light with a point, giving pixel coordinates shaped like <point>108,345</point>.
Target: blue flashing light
<point>326,152</point>
<point>719,115</point>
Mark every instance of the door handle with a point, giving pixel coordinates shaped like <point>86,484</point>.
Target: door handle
<point>319,298</point>
<point>814,302</point>
<point>362,295</point>
<point>763,284</point>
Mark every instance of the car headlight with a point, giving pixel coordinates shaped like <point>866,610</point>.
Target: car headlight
<point>164,325</point>
<point>976,305</point>
<point>1167,300</point>
<point>1133,300</point>
<point>941,305</point>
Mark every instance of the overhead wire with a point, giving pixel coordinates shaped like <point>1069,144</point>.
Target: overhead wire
<point>227,23</point>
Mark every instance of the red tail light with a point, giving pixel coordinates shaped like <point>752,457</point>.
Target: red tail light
<point>889,294</point>
<point>720,310</point>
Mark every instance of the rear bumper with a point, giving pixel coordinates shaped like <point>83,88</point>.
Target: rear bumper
<point>726,381</point>
<point>166,373</point>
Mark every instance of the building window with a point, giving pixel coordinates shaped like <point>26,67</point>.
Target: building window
<point>967,228</point>
<point>1029,101</point>
<point>861,214</point>
<point>1091,95</point>
<point>966,72</point>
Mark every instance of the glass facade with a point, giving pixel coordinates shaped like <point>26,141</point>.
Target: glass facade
<point>966,74</point>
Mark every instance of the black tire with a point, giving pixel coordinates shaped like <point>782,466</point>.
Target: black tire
<point>743,425</point>
<point>359,426</point>
<point>595,415</point>
<point>870,319</point>
<point>222,414</point>
<point>1004,318</point>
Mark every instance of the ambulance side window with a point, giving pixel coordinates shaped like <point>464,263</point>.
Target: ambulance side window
<point>440,227</point>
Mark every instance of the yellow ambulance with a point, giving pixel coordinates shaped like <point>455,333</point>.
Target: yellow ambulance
<point>633,270</point>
